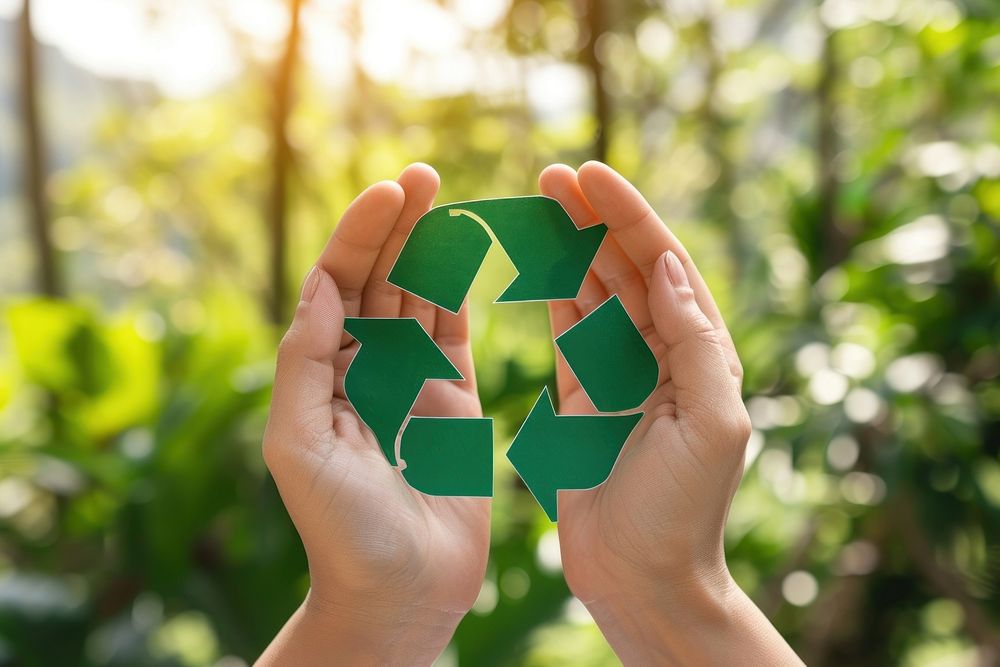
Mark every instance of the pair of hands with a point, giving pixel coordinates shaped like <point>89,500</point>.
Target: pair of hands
<point>393,571</point>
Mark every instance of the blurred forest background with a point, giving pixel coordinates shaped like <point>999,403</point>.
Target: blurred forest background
<point>170,169</point>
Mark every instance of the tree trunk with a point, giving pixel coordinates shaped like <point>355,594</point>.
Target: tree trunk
<point>281,163</point>
<point>593,23</point>
<point>359,100</point>
<point>716,203</point>
<point>834,241</point>
<point>34,160</point>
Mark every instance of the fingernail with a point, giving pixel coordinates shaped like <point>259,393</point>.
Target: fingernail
<point>675,271</point>
<point>310,284</point>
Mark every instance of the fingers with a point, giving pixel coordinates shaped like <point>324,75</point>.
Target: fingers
<point>451,334</point>
<point>559,182</point>
<point>304,378</point>
<point>706,394</point>
<point>424,311</point>
<point>420,185</point>
<point>592,294</point>
<point>644,238</point>
<point>352,250</point>
<point>612,266</point>
<point>629,217</point>
<point>563,315</point>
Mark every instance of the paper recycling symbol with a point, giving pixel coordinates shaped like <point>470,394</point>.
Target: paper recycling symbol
<point>447,456</point>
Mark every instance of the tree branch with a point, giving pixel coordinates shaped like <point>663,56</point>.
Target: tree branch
<point>34,157</point>
<point>281,160</point>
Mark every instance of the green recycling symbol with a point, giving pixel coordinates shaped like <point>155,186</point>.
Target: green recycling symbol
<point>447,456</point>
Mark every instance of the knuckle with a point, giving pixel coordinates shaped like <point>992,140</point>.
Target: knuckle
<point>703,328</point>
<point>738,426</point>
<point>708,340</point>
<point>624,281</point>
<point>383,288</point>
<point>289,345</point>
<point>641,218</point>
<point>685,293</point>
<point>736,366</point>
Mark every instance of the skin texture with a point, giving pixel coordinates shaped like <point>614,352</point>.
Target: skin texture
<point>393,570</point>
<point>644,551</point>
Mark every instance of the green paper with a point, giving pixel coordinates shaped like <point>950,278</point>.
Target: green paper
<point>553,452</point>
<point>441,257</point>
<point>448,457</point>
<point>383,380</point>
<point>446,248</point>
<point>439,261</point>
<point>610,359</point>
<point>550,254</point>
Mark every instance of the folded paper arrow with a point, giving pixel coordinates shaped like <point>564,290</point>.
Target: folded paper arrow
<point>605,350</point>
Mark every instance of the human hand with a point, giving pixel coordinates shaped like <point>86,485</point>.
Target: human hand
<point>392,570</point>
<point>644,550</point>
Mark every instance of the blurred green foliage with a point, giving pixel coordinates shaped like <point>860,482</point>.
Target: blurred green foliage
<point>833,168</point>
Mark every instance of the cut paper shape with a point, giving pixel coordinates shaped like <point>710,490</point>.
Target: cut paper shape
<point>610,358</point>
<point>441,257</point>
<point>553,452</point>
<point>383,380</point>
<point>445,456</point>
<point>448,456</point>
<point>448,244</point>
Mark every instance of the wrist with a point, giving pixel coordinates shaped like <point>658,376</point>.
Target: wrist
<point>667,621</point>
<point>324,631</point>
<point>706,620</point>
<point>385,624</point>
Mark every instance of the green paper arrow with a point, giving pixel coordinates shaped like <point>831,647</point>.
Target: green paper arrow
<point>383,380</point>
<point>441,257</point>
<point>553,452</point>
<point>610,359</point>
<point>550,254</point>
<point>448,457</point>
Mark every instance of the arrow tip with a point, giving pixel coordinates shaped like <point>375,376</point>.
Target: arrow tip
<point>573,452</point>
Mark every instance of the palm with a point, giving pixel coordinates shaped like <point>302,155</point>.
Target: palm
<point>400,522</point>
<point>634,511</point>
<point>658,484</point>
<point>360,500</point>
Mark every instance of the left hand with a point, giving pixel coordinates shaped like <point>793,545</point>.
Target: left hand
<point>392,570</point>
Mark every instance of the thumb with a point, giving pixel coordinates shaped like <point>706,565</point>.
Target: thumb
<point>301,402</point>
<point>706,393</point>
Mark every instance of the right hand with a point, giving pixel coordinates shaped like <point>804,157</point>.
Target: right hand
<point>644,550</point>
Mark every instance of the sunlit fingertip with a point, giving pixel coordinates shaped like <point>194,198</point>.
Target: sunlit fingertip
<point>419,170</point>
<point>555,179</point>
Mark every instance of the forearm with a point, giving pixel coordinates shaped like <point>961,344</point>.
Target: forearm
<point>323,633</point>
<point>703,624</point>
